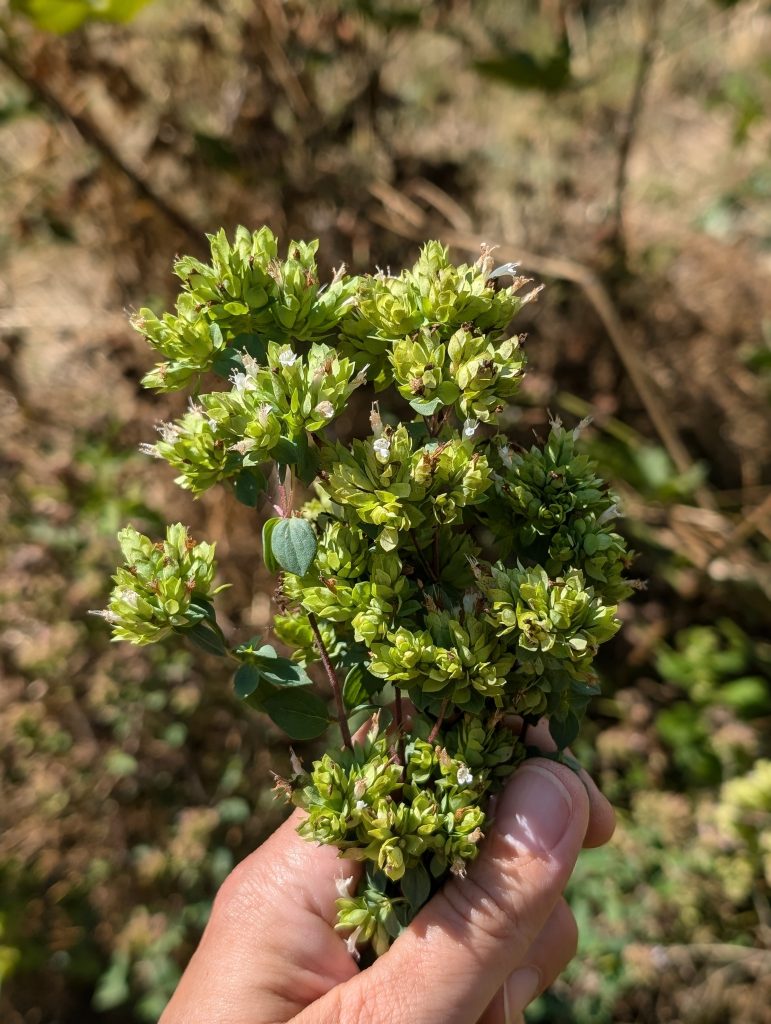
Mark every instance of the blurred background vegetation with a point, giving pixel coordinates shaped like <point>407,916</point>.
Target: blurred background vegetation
<point>621,150</point>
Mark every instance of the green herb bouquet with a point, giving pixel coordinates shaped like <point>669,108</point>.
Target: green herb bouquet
<point>440,580</point>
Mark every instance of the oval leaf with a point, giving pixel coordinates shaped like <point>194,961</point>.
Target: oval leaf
<point>293,545</point>
<point>246,681</point>
<point>250,483</point>
<point>267,551</point>
<point>303,716</point>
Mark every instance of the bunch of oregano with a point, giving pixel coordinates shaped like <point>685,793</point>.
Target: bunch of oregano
<point>436,562</point>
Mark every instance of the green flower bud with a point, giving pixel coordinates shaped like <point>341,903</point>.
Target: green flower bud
<point>159,588</point>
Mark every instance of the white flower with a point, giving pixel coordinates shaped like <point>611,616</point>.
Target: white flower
<point>361,377</point>
<point>242,447</point>
<point>382,448</point>
<point>296,763</point>
<point>241,381</point>
<point>506,270</point>
<point>458,867</point>
<point>325,409</point>
<point>505,454</point>
<point>104,613</point>
<point>360,805</point>
<point>168,431</point>
<point>287,357</point>
<point>343,886</point>
<point>250,364</point>
<point>470,427</point>
<point>465,778</point>
<point>350,942</point>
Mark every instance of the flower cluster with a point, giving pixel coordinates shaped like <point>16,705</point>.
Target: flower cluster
<point>162,587</point>
<point>245,296</point>
<point>402,327</point>
<point>554,509</point>
<point>410,818</point>
<point>432,560</point>
<point>387,483</point>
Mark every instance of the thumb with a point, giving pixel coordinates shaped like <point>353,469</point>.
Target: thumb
<point>447,966</point>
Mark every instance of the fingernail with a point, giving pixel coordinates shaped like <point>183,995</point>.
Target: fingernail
<point>520,988</point>
<point>535,809</point>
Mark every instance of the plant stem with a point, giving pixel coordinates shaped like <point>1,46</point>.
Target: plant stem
<point>438,723</point>
<point>629,133</point>
<point>333,682</point>
<point>399,720</point>
<point>429,572</point>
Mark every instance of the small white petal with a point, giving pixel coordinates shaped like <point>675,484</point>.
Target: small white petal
<point>382,448</point>
<point>106,614</point>
<point>465,778</point>
<point>287,357</point>
<point>250,364</point>
<point>458,867</point>
<point>325,409</point>
<point>350,942</point>
<point>470,427</point>
<point>360,805</point>
<point>240,381</point>
<point>343,886</point>
<point>296,763</point>
<point>607,515</point>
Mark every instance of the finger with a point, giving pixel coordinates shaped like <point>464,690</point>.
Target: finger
<point>551,952</point>
<point>478,929</point>
<point>270,947</point>
<point>602,817</point>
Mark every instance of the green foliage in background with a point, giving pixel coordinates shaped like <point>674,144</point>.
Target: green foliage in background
<point>62,16</point>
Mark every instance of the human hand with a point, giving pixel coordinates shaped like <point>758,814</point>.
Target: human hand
<point>479,951</point>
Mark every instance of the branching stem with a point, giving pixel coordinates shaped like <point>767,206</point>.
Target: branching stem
<point>438,723</point>
<point>399,720</point>
<point>334,682</point>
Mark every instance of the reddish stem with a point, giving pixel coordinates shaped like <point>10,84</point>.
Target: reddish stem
<point>438,723</point>
<point>333,682</point>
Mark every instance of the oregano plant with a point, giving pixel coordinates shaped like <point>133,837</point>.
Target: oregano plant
<point>442,585</point>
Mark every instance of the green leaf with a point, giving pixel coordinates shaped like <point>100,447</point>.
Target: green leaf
<point>216,336</point>
<point>246,681</point>
<point>416,886</point>
<point>564,732</point>
<point>359,685</point>
<point>448,391</point>
<point>281,671</point>
<point>225,361</point>
<point>267,551</point>
<point>253,344</point>
<point>286,452</point>
<point>206,638</point>
<point>293,545</point>
<point>423,408</point>
<point>62,16</point>
<point>250,483</point>
<point>307,461</point>
<point>303,716</point>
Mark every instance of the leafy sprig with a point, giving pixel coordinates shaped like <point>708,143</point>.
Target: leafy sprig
<point>435,561</point>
